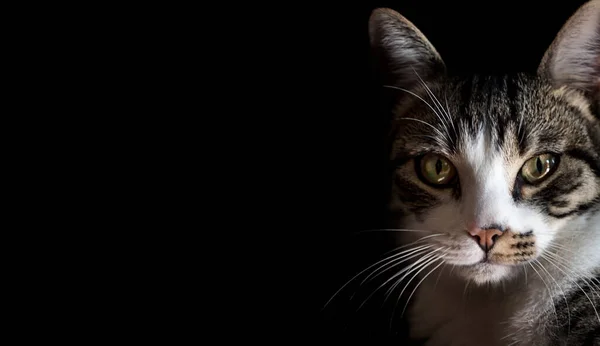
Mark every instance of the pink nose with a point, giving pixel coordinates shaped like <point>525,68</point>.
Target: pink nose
<point>485,237</point>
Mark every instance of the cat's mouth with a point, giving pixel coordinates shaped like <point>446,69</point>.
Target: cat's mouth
<point>491,263</point>
<point>510,251</point>
<point>486,260</point>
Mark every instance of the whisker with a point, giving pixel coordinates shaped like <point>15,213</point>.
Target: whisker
<point>513,343</point>
<point>508,336</point>
<point>420,98</point>
<point>452,269</point>
<point>418,284</point>
<point>563,294</point>
<point>575,282</point>
<point>422,260</point>
<point>392,278</point>
<point>513,333</point>
<point>448,112</point>
<point>522,136</point>
<point>592,289</point>
<point>549,292</point>
<point>409,92</point>
<point>435,139</point>
<point>414,242</point>
<point>425,123</point>
<point>440,118</point>
<point>560,247</point>
<point>563,262</point>
<point>383,260</point>
<point>397,261</point>
<point>439,276</point>
<point>418,270</point>
<point>359,274</point>
<point>559,260</point>
<point>438,105</point>
<point>397,230</point>
<point>466,287</point>
<point>464,295</point>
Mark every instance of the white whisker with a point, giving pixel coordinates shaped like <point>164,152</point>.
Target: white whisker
<point>394,262</point>
<point>563,262</point>
<point>397,230</point>
<point>360,273</point>
<point>393,277</point>
<point>519,130</point>
<point>448,112</point>
<point>414,242</point>
<point>439,276</point>
<point>411,269</point>
<point>563,294</point>
<point>425,123</point>
<point>427,103</point>
<point>446,117</point>
<point>575,282</point>
<point>418,270</point>
<point>513,343</point>
<point>452,269</point>
<point>466,287</point>
<point>418,284</point>
<point>549,292</point>
<point>434,139</point>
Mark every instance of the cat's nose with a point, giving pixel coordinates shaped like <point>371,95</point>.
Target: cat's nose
<point>485,237</point>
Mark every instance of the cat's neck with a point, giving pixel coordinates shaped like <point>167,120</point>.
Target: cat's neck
<point>454,308</point>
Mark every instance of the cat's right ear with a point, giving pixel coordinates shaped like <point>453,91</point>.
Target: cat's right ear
<point>403,53</point>
<point>573,58</point>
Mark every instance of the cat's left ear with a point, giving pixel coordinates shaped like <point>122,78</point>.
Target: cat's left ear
<point>573,58</point>
<point>403,52</point>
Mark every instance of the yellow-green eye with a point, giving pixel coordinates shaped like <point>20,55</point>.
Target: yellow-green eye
<point>538,168</point>
<point>437,170</point>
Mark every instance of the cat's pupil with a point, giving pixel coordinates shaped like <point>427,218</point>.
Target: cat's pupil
<point>438,166</point>
<point>539,165</point>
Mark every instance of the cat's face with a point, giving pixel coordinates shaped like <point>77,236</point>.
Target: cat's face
<point>499,170</point>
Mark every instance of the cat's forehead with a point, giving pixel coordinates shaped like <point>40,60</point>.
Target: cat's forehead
<point>489,100</point>
<point>513,114</point>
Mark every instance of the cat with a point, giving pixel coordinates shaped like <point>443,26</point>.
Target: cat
<point>502,176</point>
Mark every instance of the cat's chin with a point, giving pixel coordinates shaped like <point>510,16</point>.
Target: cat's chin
<point>486,273</point>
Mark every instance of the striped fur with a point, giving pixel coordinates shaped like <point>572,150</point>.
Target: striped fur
<point>488,127</point>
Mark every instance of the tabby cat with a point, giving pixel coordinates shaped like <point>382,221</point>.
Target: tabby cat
<point>499,177</point>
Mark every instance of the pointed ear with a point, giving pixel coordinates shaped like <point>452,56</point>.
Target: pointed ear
<point>403,53</point>
<point>573,58</point>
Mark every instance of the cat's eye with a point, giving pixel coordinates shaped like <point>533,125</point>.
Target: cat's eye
<point>436,169</point>
<point>538,168</point>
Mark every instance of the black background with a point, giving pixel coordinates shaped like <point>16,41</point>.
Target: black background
<point>335,183</point>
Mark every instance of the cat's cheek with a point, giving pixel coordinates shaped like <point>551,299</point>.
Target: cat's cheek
<point>533,220</point>
<point>545,236</point>
<point>547,230</point>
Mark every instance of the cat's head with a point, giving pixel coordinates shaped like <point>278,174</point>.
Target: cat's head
<point>500,169</point>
